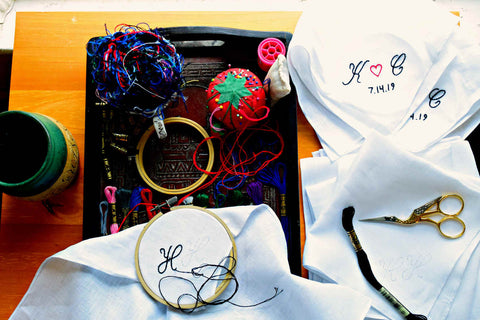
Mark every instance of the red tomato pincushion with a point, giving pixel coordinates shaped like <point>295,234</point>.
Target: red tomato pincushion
<point>236,98</point>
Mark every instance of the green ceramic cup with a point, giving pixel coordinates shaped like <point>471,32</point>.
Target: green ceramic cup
<point>38,155</point>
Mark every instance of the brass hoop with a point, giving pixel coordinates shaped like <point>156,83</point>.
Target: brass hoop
<point>141,147</point>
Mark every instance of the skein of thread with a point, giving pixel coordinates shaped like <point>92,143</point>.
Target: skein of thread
<point>235,197</point>
<point>202,200</point>
<point>106,163</point>
<point>103,207</point>
<point>146,195</point>
<point>365,268</point>
<point>122,197</point>
<point>220,200</point>
<point>135,63</point>
<point>276,177</point>
<point>255,192</point>
<point>110,195</point>
<point>188,201</point>
<point>135,199</point>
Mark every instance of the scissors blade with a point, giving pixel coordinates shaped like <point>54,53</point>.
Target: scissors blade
<point>381,219</point>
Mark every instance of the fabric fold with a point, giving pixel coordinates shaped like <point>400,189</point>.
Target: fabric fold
<point>385,180</point>
<point>95,279</point>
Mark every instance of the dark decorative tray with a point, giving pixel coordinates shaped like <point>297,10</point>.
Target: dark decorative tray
<point>207,51</point>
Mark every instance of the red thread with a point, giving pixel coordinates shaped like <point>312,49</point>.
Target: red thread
<point>256,119</point>
<point>231,166</point>
<point>133,209</point>
<point>146,195</point>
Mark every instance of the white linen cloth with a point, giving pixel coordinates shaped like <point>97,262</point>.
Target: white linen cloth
<point>405,69</point>
<point>454,100</point>
<point>96,279</point>
<point>431,275</point>
<point>370,69</point>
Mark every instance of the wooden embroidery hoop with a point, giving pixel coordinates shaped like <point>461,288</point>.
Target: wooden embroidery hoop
<point>141,147</point>
<point>150,227</point>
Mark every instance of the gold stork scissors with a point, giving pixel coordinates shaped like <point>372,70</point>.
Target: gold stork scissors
<point>427,211</point>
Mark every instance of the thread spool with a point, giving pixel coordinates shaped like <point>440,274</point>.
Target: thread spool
<point>268,51</point>
<point>39,155</point>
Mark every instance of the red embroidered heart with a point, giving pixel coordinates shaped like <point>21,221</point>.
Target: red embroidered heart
<point>376,70</point>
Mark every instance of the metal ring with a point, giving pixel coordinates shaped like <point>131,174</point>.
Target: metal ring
<point>447,217</point>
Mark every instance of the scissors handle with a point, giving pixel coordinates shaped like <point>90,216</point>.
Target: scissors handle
<point>446,233</point>
<point>444,224</point>
<point>447,213</point>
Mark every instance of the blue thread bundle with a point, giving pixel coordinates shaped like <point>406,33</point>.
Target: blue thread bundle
<point>275,176</point>
<point>136,197</point>
<point>135,200</point>
<point>136,68</point>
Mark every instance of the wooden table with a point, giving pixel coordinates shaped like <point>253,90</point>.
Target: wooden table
<point>48,76</point>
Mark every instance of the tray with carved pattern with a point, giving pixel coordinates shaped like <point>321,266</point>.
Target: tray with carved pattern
<point>207,51</point>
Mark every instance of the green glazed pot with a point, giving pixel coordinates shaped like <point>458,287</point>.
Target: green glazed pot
<point>38,155</point>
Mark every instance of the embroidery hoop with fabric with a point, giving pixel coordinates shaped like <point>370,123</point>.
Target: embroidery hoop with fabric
<point>183,258</point>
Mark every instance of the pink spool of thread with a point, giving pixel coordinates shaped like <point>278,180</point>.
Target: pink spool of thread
<point>268,51</point>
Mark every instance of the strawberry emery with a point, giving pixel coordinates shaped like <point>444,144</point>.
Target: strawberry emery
<point>236,98</point>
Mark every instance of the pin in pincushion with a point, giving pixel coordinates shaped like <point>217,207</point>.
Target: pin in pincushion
<point>237,99</point>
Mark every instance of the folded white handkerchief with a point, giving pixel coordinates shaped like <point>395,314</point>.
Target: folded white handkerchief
<point>96,279</point>
<point>336,136</point>
<point>414,262</point>
<point>450,102</point>
<point>321,173</point>
<point>459,298</point>
<point>378,72</point>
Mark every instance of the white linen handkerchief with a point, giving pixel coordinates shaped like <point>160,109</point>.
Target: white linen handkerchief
<point>385,180</point>
<point>451,101</point>
<point>366,73</point>
<point>458,298</point>
<point>96,279</point>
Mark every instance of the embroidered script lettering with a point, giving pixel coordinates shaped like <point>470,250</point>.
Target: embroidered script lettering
<point>397,63</point>
<point>434,97</point>
<point>405,268</point>
<point>356,69</point>
<point>169,256</point>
